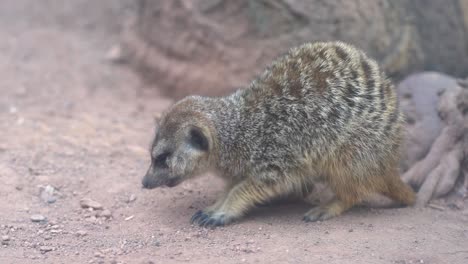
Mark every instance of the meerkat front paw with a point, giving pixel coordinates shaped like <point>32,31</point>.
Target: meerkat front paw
<point>206,219</point>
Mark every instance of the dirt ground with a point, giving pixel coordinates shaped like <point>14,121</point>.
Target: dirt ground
<point>75,126</point>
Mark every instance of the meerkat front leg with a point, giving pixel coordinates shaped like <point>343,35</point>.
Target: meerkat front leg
<point>241,197</point>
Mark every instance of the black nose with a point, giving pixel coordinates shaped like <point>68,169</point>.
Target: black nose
<point>149,183</point>
<point>144,183</point>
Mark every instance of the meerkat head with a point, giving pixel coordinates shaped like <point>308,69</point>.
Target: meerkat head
<point>181,148</point>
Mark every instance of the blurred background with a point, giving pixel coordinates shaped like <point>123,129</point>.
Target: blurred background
<point>213,46</point>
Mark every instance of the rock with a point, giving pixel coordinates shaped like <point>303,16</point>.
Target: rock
<point>131,198</point>
<point>81,233</point>
<point>45,249</point>
<point>89,203</point>
<point>104,213</point>
<point>5,240</point>
<point>115,54</point>
<point>38,218</point>
<point>47,194</point>
<point>419,96</point>
<point>19,187</point>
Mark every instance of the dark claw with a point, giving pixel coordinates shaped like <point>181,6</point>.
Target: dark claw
<point>213,222</point>
<point>196,216</point>
<point>205,220</point>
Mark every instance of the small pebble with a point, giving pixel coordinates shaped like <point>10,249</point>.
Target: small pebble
<point>38,218</point>
<point>131,199</point>
<point>45,249</point>
<point>5,240</point>
<point>351,230</point>
<point>88,203</point>
<point>115,54</point>
<point>104,213</point>
<point>81,233</point>
<point>47,194</point>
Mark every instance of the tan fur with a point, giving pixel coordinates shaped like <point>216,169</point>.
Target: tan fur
<point>322,113</point>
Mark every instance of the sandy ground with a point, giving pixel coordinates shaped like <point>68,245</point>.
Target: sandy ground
<point>75,126</point>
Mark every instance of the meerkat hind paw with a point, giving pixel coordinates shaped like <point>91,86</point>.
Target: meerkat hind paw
<point>318,214</point>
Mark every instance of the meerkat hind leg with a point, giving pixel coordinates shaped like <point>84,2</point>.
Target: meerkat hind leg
<point>345,197</point>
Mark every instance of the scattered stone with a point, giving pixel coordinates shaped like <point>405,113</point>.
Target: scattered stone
<point>19,187</point>
<point>104,213</point>
<point>98,255</point>
<point>115,54</point>
<point>81,233</point>
<point>89,203</point>
<point>47,237</point>
<point>5,240</point>
<point>38,218</point>
<point>45,249</point>
<point>350,230</point>
<point>129,218</point>
<point>91,219</point>
<point>435,206</point>
<point>47,194</point>
<point>248,250</point>
<point>13,109</point>
<point>131,198</point>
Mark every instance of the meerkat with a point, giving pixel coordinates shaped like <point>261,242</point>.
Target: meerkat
<point>322,112</point>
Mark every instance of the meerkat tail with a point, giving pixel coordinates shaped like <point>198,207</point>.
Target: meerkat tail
<point>399,191</point>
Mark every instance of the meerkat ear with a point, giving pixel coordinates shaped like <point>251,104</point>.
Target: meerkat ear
<point>198,139</point>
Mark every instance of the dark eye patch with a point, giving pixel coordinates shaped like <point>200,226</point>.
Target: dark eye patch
<point>198,140</point>
<point>161,160</point>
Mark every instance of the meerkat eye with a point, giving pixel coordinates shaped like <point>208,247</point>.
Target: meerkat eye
<point>161,160</point>
<point>197,139</point>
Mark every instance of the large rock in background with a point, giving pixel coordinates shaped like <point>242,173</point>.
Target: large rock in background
<point>211,47</point>
<point>419,97</point>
